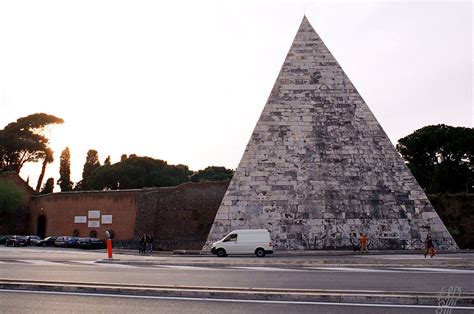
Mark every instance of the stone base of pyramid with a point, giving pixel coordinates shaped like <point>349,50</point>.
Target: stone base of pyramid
<point>343,234</point>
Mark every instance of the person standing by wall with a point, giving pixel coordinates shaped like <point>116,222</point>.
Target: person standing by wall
<point>142,244</point>
<point>149,244</point>
<point>363,244</point>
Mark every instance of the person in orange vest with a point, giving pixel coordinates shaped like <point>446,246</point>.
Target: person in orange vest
<point>429,247</point>
<point>363,243</point>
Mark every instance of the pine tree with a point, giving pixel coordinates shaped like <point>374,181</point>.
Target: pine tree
<point>48,186</point>
<point>65,171</point>
<point>107,161</point>
<point>92,163</point>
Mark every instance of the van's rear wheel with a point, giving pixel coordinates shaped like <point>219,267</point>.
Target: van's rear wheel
<point>221,253</point>
<point>260,252</point>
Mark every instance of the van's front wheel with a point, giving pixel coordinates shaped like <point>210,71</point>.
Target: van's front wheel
<point>260,252</point>
<point>221,253</point>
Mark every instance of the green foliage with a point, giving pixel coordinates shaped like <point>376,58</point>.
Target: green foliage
<point>92,163</point>
<point>23,141</point>
<point>454,231</point>
<point>213,173</point>
<point>10,197</point>
<point>457,213</point>
<point>137,172</point>
<point>48,186</point>
<point>107,161</point>
<point>64,181</point>
<point>440,157</point>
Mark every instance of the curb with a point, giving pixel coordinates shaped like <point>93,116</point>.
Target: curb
<point>321,253</point>
<point>301,295</point>
<point>299,264</point>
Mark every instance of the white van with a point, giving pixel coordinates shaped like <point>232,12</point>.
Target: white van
<point>256,241</point>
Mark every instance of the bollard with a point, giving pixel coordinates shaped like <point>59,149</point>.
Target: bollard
<point>109,248</point>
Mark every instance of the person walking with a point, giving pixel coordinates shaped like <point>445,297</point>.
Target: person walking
<point>363,244</point>
<point>429,247</point>
<point>142,244</point>
<point>149,244</point>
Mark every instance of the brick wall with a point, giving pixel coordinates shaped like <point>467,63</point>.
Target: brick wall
<point>60,210</point>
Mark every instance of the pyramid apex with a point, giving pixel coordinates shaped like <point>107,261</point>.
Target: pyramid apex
<point>305,21</point>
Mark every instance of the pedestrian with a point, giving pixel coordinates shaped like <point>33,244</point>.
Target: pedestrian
<point>363,244</point>
<point>141,244</point>
<point>149,244</point>
<point>429,247</point>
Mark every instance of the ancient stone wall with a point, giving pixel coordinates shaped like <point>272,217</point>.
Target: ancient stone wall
<point>457,213</point>
<point>179,217</point>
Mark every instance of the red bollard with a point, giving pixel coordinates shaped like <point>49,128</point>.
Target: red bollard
<point>109,248</point>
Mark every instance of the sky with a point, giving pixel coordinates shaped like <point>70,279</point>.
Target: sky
<point>186,81</point>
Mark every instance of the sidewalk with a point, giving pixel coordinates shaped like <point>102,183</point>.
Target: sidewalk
<point>300,259</point>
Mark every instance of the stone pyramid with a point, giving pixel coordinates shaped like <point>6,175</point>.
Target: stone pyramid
<point>319,170</point>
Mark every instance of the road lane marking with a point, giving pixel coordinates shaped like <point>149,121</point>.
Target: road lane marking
<point>357,270</point>
<point>41,262</point>
<point>238,300</point>
<point>441,270</point>
<point>184,267</point>
<point>406,256</point>
<point>268,268</point>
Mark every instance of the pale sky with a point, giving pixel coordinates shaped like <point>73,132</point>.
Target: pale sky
<point>186,81</point>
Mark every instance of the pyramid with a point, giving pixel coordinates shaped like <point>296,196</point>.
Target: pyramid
<point>319,170</point>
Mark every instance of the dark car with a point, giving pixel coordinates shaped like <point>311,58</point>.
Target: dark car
<point>49,241</point>
<point>71,242</point>
<point>32,239</point>
<point>90,243</point>
<point>66,241</point>
<point>16,240</point>
<point>60,241</point>
<point>4,238</point>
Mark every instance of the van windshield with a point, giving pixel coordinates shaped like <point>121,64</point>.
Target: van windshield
<point>230,237</point>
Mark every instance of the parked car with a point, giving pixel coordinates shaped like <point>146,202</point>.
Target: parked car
<point>255,241</point>
<point>90,243</point>
<point>66,241</point>
<point>16,240</point>
<point>32,239</point>
<point>49,241</point>
<point>4,238</point>
<point>71,242</point>
<point>61,241</point>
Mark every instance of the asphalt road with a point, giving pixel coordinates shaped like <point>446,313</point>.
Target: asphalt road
<point>79,266</point>
<point>379,273</point>
<point>33,302</point>
<point>258,277</point>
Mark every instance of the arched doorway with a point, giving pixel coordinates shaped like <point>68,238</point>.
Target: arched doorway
<point>41,226</point>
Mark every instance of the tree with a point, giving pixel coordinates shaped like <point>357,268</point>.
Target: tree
<point>65,170</point>
<point>440,157</point>
<point>213,173</point>
<point>48,186</point>
<point>91,164</point>
<point>107,161</point>
<point>24,141</point>
<point>10,198</point>
<point>137,172</point>
<point>48,158</point>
